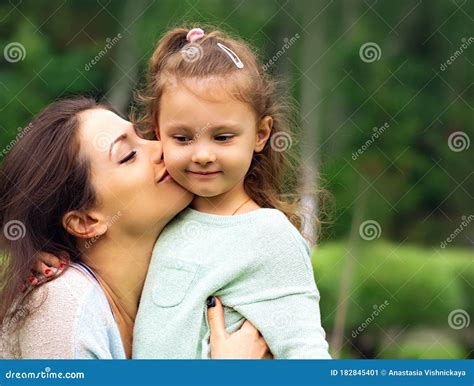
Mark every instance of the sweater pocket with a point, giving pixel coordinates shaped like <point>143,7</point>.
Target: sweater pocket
<point>172,281</point>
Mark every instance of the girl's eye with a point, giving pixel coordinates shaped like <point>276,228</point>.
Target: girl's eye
<point>224,137</point>
<point>181,138</point>
<point>128,157</point>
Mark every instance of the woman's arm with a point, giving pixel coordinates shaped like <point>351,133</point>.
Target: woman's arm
<point>246,343</point>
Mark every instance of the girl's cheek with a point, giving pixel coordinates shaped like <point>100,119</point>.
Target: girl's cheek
<point>175,157</point>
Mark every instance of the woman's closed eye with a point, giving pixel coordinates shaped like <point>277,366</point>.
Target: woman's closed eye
<point>128,157</point>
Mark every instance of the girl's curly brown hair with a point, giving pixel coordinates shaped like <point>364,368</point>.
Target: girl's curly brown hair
<point>176,59</point>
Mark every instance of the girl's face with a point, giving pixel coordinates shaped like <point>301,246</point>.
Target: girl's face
<point>208,137</point>
<point>128,174</point>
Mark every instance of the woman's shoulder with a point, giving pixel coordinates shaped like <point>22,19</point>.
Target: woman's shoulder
<point>65,295</point>
<point>75,283</point>
<point>56,311</point>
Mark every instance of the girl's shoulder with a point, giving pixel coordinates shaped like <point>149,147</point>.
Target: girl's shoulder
<point>278,224</point>
<point>267,227</point>
<point>283,239</point>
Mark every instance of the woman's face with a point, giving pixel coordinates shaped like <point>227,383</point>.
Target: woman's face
<point>128,174</point>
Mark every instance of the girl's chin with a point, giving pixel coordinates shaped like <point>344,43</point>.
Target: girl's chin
<point>206,193</point>
<point>202,188</point>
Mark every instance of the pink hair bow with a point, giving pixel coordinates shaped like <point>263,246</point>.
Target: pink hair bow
<point>194,34</point>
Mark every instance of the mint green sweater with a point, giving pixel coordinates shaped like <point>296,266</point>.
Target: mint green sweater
<point>257,263</point>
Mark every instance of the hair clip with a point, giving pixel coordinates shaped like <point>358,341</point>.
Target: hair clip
<point>194,34</point>
<point>231,54</point>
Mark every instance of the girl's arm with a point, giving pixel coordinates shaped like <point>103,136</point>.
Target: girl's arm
<point>290,324</point>
<point>279,296</point>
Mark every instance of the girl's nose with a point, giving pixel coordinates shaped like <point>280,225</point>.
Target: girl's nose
<point>203,157</point>
<point>157,152</point>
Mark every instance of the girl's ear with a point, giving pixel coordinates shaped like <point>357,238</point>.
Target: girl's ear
<point>263,132</point>
<point>84,225</point>
<point>157,133</point>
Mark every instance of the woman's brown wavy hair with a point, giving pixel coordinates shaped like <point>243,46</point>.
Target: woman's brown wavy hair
<point>42,178</point>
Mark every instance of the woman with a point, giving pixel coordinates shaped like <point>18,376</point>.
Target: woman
<point>82,181</point>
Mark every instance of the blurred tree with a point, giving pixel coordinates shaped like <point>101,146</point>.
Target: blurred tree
<point>312,44</point>
<point>126,70</point>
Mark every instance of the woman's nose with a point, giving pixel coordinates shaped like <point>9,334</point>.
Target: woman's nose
<point>157,152</point>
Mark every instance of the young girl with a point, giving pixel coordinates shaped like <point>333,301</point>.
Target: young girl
<point>217,115</point>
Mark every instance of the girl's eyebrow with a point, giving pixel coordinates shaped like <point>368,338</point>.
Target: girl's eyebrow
<point>185,127</point>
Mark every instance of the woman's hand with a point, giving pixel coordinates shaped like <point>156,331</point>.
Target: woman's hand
<point>46,265</point>
<point>246,343</point>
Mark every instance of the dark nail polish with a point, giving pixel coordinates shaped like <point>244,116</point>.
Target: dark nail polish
<point>211,302</point>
